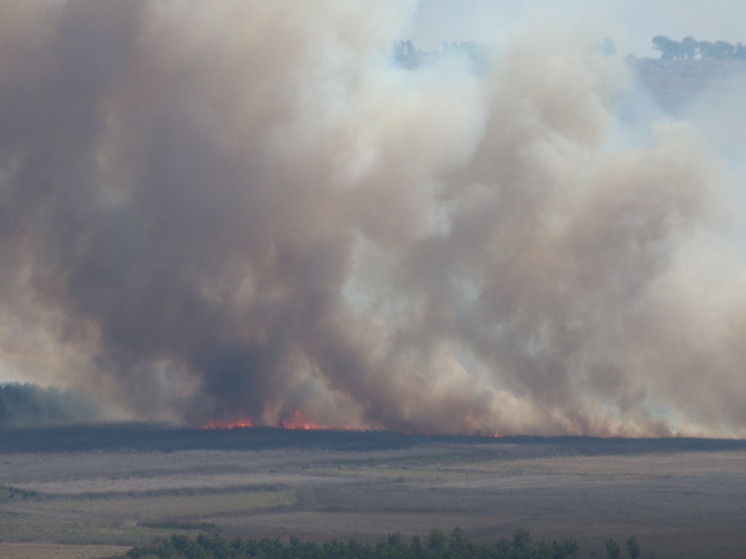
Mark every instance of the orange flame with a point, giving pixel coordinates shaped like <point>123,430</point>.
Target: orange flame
<point>233,424</point>
<point>300,421</point>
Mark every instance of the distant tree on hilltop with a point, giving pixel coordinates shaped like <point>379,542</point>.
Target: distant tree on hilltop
<point>690,48</point>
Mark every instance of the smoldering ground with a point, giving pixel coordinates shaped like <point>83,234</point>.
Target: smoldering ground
<point>241,209</point>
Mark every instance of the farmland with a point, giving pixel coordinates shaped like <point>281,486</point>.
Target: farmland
<point>126,485</point>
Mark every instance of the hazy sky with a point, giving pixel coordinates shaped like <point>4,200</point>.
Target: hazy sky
<point>631,24</point>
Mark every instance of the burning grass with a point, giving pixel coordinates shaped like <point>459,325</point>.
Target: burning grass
<point>294,421</point>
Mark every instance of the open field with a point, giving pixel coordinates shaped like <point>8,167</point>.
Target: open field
<point>680,498</point>
<point>28,550</point>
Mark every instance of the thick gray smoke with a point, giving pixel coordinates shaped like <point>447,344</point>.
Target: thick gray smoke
<point>239,209</point>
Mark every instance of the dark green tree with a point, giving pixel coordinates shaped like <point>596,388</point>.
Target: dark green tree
<point>502,548</point>
<point>633,548</point>
<point>566,548</point>
<point>521,539</point>
<point>358,550</point>
<point>522,545</point>
<point>395,539</point>
<point>334,549</point>
<point>613,549</point>
<point>436,540</point>
<point>459,546</point>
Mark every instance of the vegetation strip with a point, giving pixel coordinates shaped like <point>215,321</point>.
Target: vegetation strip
<point>437,545</point>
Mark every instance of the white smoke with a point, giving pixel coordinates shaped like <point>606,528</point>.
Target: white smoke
<point>242,209</point>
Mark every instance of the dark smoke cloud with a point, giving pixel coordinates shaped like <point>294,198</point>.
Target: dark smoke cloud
<point>231,209</point>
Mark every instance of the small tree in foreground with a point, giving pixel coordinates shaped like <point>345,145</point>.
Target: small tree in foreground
<point>613,549</point>
<point>633,548</point>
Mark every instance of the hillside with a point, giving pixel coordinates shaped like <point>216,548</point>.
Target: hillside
<point>676,84</point>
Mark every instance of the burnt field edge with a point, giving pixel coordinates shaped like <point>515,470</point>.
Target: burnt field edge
<point>145,437</point>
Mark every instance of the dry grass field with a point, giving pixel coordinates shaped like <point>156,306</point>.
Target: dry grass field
<point>679,498</point>
<point>30,550</point>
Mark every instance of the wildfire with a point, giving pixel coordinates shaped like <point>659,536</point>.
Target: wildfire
<point>220,424</point>
<point>298,420</point>
<point>494,434</point>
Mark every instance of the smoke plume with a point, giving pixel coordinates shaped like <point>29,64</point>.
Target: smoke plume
<point>240,209</point>
<point>25,405</point>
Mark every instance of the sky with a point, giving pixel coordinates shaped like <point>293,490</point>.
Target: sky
<point>248,211</point>
<point>631,24</point>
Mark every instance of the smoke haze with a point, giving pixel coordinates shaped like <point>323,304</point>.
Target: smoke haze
<point>240,209</point>
<point>26,405</point>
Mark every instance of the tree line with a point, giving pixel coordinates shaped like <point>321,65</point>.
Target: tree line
<point>437,545</point>
<point>689,49</point>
